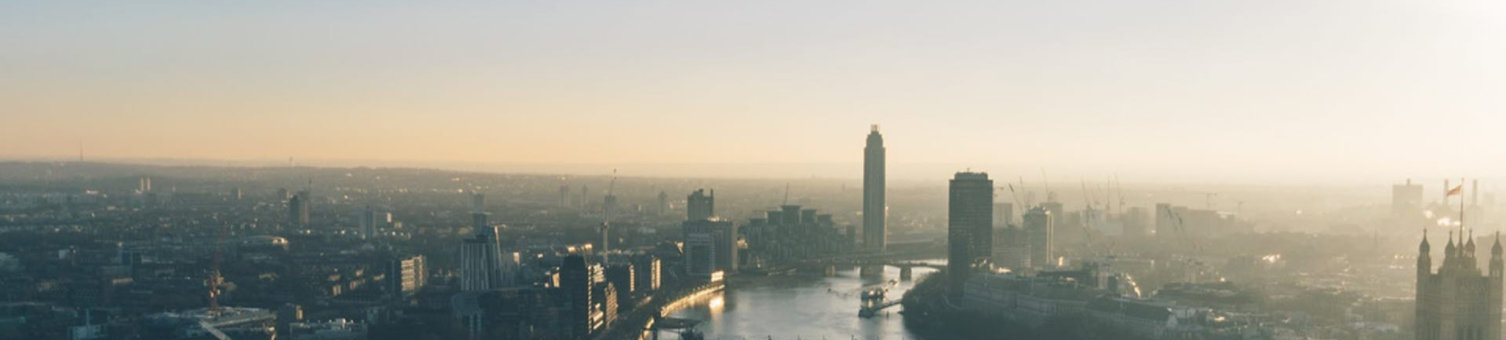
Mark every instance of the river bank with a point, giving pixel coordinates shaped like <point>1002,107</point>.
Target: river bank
<point>800,306</point>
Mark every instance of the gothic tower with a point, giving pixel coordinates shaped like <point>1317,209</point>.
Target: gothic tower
<point>1458,302</point>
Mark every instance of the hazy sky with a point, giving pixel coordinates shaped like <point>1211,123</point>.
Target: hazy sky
<point>1246,89</point>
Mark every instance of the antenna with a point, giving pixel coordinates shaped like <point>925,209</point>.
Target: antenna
<point>786,194</point>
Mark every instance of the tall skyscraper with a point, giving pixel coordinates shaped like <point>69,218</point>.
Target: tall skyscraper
<point>480,219</point>
<point>1039,230</point>
<point>700,205</point>
<point>575,280</point>
<point>367,218</point>
<point>874,208</point>
<point>298,209</point>
<point>661,207</point>
<point>969,227</point>
<point>481,262</point>
<point>1458,302</point>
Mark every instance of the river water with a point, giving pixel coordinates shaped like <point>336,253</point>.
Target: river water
<point>800,307</point>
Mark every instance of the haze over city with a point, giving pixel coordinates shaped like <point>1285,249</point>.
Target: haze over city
<point>646,170</point>
<point>1289,91</point>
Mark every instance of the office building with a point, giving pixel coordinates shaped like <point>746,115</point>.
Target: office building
<point>646,273</point>
<point>969,227</point>
<point>700,205</point>
<point>1039,228</point>
<point>1011,247</point>
<point>621,277</point>
<point>710,246</point>
<point>575,283</point>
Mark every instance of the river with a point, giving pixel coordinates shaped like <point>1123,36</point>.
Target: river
<point>800,307</point>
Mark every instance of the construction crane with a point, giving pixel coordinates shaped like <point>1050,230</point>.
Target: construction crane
<point>1088,218</point>
<point>1087,198</point>
<point>1022,191</point>
<point>1208,199</point>
<point>1019,208</point>
<point>1046,182</point>
<point>1120,187</point>
<point>1181,228</point>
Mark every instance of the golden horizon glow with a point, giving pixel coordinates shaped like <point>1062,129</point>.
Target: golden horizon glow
<point>1241,89</point>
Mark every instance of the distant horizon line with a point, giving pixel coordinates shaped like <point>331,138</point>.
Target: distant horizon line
<point>844,171</point>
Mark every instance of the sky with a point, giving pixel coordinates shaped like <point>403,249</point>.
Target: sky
<point>1286,90</point>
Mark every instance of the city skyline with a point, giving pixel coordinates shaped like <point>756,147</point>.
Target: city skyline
<point>1066,170</point>
<point>1272,91</point>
